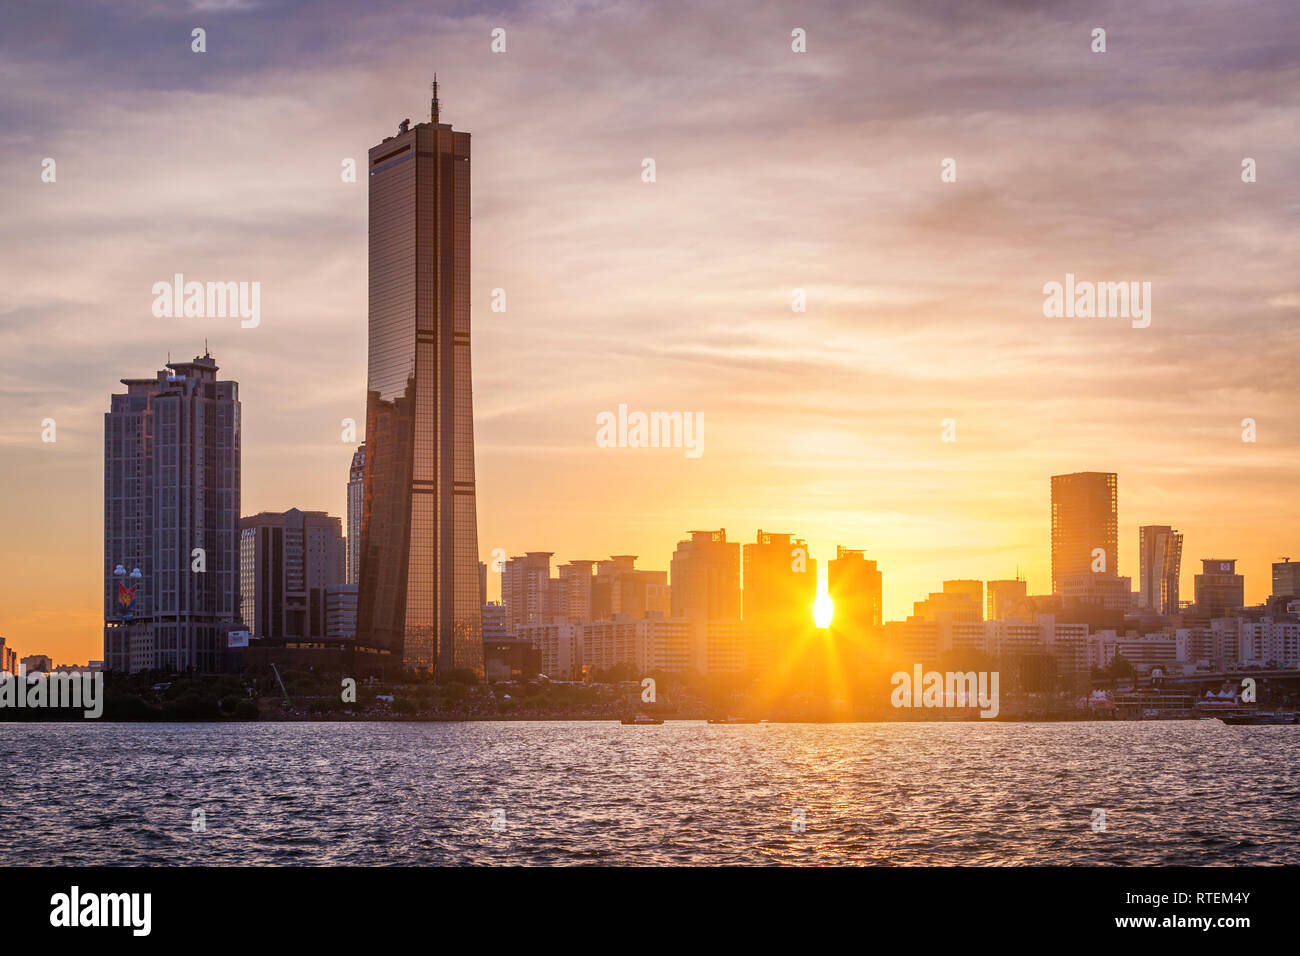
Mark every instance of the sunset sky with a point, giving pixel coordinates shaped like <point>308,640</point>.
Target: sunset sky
<point>775,171</point>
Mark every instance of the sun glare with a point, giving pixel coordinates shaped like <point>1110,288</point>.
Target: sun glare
<point>823,610</point>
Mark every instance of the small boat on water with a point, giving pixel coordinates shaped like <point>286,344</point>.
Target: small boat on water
<point>1274,718</point>
<point>733,720</point>
<point>641,719</point>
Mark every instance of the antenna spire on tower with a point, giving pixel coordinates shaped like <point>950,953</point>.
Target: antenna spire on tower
<point>433,103</point>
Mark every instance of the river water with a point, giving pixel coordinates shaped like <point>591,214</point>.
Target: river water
<point>515,792</point>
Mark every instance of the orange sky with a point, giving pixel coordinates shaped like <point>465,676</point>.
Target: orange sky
<point>775,171</point>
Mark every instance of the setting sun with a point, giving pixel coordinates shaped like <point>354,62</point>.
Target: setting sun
<point>823,610</point>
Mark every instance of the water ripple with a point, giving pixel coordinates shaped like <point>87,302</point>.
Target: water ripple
<point>1174,792</point>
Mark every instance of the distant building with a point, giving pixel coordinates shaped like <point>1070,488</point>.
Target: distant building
<point>510,658</point>
<point>959,601</point>
<point>1269,642</point>
<point>356,489</point>
<point>1009,599</point>
<point>855,589</point>
<point>496,624</point>
<point>1143,651</point>
<point>288,561</point>
<point>575,583</point>
<point>780,583</point>
<point>1160,555</point>
<point>1219,588</point>
<point>1108,591</point>
<point>526,589</point>
<point>1286,581</point>
<point>705,577</point>
<point>341,612</point>
<point>645,644</point>
<point>621,588</point>
<point>171,509</point>
<point>1085,519</point>
<point>8,659</point>
<point>33,663</point>
<point>559,646</point>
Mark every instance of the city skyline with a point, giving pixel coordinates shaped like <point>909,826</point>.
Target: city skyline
<point>924,298</point>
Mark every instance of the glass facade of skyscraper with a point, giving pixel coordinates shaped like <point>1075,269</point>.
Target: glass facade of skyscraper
<point>418,586</point>
<point>1085,518</point>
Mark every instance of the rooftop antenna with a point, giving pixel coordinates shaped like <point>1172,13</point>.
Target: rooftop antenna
<point>433,102</point>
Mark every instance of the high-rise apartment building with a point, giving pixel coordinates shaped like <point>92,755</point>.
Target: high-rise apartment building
<point>356,505</point>
<point>419,580</point>
<point>288,562</point>
<point>1160,559</point>
<point>575,583</point>
<point>171,510</point>
<point>1085,520</point>
<point>780,585</point>
<point>704,577</point>
<point>854,586</point>
<point>527,591</point>
<point>621,588</point>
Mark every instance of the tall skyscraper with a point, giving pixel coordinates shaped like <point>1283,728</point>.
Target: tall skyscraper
<point>704,577</point>
<point>171,509</point>
<point>1160,559</point>
<point>288,561</point>
<point>419,583</point>
<point>780,585</point>
<point>854,585</point>
<point>356,503</point>
<point>1085,517</point>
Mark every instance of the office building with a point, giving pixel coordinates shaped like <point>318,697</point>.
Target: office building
<point>1160,556</point>
<point>341,612</point>
<point>1286,581</point>
<point>1009,600</point>
<point>496,624</point>
<point>288,561</point>
<point>1108,592</point>
<point>961,601</point>
<point>419,582</point>
<point>1085,521</point>
<point>1219,588</point>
